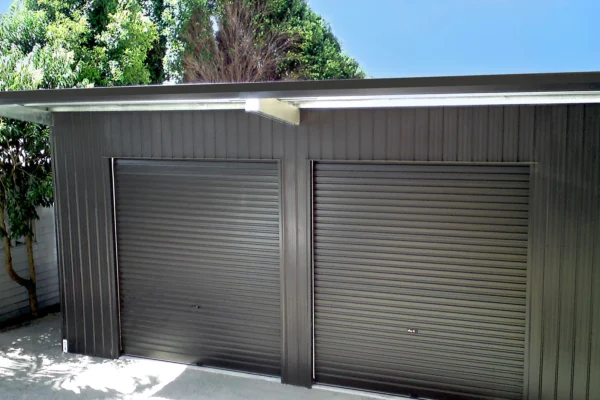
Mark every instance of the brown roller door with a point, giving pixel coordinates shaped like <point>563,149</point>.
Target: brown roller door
<point>420,278</point>
<point>199,262</point>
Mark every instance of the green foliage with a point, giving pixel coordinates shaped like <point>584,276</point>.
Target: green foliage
<point>26,181</point>
<point>122,48</point>
<point>28,60</point>
<point>23,28</point>
<point>317,54</point>
<point>154,10</point>
<point>110,39</point>
<point>173,17</point>
<point>176,16</point>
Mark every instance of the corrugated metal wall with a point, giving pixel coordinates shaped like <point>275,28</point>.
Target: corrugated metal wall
<point>564,355</point>
<point>14,300</point>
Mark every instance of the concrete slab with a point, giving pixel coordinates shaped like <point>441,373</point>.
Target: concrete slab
<point>32,366</point>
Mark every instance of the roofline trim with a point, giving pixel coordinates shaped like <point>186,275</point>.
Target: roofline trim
<point>342,102</point>
<point>523,83</point>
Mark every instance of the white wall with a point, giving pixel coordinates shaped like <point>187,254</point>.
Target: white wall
<point>14,300</point>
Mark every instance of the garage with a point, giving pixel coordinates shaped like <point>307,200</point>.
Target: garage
<point>198,246</point>
<point>420,277</point>
<point>436,236</point>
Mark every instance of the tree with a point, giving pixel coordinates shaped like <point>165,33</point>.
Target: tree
<point>26,184</point>
<point>239,51</point>
<point>28,60</point>
<point>226,35</point>
<point>110,39</point>
<point>55,44</point>
<point>319,54</point>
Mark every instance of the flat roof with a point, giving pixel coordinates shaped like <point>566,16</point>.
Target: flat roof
<point>521,83</point>
<point>556,88</point>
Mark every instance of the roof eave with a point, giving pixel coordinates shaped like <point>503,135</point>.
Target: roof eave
<point>524,83</point>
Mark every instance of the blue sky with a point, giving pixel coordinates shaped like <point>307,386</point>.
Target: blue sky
<point>396,38</point>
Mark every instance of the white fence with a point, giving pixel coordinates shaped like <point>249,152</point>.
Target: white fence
<point>14,300</point>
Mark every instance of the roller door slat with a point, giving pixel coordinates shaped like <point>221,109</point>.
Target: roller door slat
<point>365,200</point>
<point>461,272</point>
<point>379,181</point>
<point>420,188</point>
<point>405,309</point>
<point>198,250</point>
<point>419,197</point>
<point>420,275</point>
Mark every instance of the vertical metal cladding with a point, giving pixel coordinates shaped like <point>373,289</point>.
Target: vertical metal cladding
<point>85,233</point>
<point>563,353</point>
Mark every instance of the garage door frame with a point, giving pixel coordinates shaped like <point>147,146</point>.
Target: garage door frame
<point>533,176</point>
<point>113,206</point>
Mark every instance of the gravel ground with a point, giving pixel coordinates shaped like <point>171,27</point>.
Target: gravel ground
<point>32,366</point>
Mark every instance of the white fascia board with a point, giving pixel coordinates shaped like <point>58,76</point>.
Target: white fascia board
<point>274,109</point>
<point>27,114</point>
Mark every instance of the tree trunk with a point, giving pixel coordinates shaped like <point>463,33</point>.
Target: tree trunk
<point>33,304</point>
<point>26,283</point>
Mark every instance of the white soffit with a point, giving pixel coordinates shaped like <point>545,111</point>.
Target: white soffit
<point>286,109</point>
<point>27,114</point>
<point>177,105</point>
<point>470,99</point>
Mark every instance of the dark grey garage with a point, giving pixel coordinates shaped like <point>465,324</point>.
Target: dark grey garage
<point>437,237</point>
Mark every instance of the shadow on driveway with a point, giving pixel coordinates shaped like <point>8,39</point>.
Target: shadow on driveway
<point>32,366</point>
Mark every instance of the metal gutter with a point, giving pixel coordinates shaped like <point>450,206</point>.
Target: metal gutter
<point>489,84</point>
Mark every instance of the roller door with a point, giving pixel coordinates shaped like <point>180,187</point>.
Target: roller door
<point>420,278</point>
<point>199,263</point>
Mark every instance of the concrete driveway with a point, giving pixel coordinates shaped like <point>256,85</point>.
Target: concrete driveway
<point>32,366</point>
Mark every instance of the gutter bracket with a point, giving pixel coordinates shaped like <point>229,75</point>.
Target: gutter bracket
<point>274,109</point>
<point>27,114</point>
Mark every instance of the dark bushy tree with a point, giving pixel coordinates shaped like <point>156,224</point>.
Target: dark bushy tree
<point>239,51</point>
<point>206,38</point>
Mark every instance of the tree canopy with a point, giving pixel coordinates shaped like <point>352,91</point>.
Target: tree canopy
<point>109,39</point>
<point>126,42</point>
<point>190,27</point>
<point>319,54</point>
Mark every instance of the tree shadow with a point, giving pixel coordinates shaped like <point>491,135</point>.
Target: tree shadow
<point>32,365</point>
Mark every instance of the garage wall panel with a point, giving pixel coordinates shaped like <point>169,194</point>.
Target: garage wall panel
<point>450,138</point>
<point>104,131</point>
<point>574,143</point>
